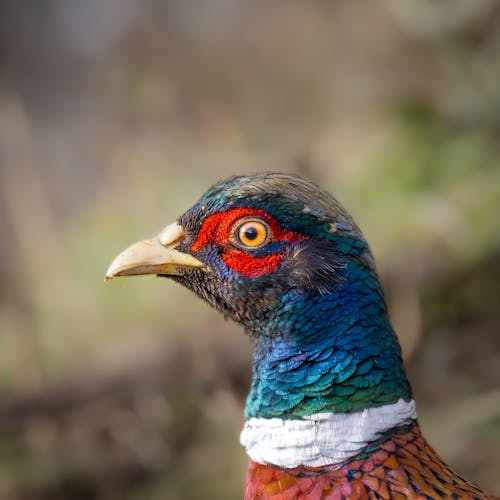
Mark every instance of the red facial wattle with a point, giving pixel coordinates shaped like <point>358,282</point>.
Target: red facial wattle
<point>217,229</point>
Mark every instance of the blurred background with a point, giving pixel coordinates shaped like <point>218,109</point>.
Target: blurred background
<point>115,115</point>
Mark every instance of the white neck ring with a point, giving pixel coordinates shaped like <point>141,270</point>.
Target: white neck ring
<point>321,439</point>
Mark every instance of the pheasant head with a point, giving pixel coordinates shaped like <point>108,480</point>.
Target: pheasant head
<point>329,411</point>
<point>280,256</point>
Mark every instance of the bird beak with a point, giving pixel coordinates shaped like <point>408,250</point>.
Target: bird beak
<point>155,256</point>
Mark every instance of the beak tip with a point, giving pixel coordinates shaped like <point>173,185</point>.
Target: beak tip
<point>110,272</point>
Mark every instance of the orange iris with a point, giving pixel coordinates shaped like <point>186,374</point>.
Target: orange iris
<point>252,233</point>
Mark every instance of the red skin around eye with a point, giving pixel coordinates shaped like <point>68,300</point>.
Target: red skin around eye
<point>217,229</point>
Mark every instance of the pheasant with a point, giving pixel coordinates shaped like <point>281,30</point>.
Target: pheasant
<point>330,412</point>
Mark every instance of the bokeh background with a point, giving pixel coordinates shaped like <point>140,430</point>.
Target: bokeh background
<point>115,115</point>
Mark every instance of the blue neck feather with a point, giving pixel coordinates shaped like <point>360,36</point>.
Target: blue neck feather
<point>328,353</point>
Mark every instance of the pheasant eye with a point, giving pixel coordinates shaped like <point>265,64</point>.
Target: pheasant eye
<point>251,233</point>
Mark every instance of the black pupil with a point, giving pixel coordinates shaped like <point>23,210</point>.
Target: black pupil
<point>250,233</point>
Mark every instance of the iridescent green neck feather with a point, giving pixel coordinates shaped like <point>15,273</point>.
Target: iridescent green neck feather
<point>328,353</point>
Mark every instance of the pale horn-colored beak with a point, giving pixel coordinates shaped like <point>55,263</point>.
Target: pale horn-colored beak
<point>155,256</point>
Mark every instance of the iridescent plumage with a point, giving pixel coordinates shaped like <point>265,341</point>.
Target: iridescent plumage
<point>325,353</point>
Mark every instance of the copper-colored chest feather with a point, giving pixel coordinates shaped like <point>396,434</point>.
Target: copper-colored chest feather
<point>405,467</point>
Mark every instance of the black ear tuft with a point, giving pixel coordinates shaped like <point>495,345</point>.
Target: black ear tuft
<point>313,265</point>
